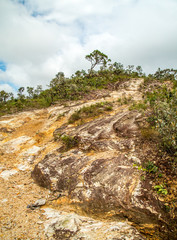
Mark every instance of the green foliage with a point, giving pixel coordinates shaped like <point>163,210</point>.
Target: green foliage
<point>90,111</point>
<point>20,94</point>
<point>166,74</point>
<point>3,96</point>
<point>151,167</point>
<point>150,134</point>
<point>130,69</point>
<point>69,141</point>
<point>163,104</point>
<point>73,88</point>
<point>148,167</point>
<point>138,106</point>
<point>124,100</point>
<point>62,88</point>
<point>97,58</point>
<point>161,189</point>
<point>139,71</point>
<point>34,93</point>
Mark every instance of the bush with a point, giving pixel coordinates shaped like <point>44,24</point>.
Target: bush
<point>90,111</point>
<point>69,141</point>
<point>164,118</point>
<point>151,167</point>
<point>138,106</point>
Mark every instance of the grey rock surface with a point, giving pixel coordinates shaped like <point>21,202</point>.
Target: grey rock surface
<point>63,226</point>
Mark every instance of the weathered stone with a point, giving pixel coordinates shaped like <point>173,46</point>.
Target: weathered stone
<point>96,178</point>
<point>63,226</point>
<point>38,203</point>
<point>101,185</point>
<point>6,130</point>
<point>7,173</point>
<point>14,144</point>
<point>124,124</point>
<point>128,125</point>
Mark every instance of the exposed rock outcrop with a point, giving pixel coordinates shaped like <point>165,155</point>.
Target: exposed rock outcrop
<point>105,181</point>
<point>97,188</point>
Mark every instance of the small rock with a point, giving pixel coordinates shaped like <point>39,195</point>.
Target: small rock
<point>7,173</point>
<point>39,222</point>
<point>6,130</point>
<point>38,203</point>
<point>22,167</point>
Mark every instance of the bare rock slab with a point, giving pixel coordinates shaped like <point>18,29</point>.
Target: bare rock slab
<point>71,226</point>
<point>99,185</point>
<point>106,182</point>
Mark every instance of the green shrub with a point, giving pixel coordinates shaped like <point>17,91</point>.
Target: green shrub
<point>164,118</point>
<point>90,111</point>
<point>161,189</point>
<point>150,134</point>
<point>151,167</point>
<point>138,106</point>
<point>69,141</point>
<point>124,100</point>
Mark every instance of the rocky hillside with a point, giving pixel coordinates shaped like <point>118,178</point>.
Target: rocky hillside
<point>84,170</point>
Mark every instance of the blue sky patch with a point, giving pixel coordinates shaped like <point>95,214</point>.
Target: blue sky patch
<point>36,14</point>
<point>10,84</point>
<point>3,66</point>
<point>39,14</point>
<point>22,1</point>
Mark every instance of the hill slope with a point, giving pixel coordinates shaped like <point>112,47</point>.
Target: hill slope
<point>96,167</point>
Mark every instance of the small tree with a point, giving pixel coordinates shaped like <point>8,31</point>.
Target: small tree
<point>56,82</point>
<point>30,91</point>
<point>37,91</point>
<point>20,93</point>
<point>130,69</point>
<point>139,71</point>
<point>97,58</point>
<point>3,96</point>
<point>118,68</point>
<point>11,96</point>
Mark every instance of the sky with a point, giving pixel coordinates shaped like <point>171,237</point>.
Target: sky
<point>40,38</point>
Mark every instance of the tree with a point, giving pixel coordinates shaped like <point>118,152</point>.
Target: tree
<point>129,69</point>
<point>58,86</point>
<point>158,74</point>
<point>37,91</point>
<point>11,96</point>
<point>60,79</point>
<point>97,58</point>
<point>30,91</point>
<point>20,93</point>
<point>80,74</point>
<point>118,68</point>
<point>60,76</point>
<point>139,71</point>
<point>3,96</point>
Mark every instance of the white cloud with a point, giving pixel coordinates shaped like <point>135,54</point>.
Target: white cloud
<point>43,37</point>
<point>7,88</point>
